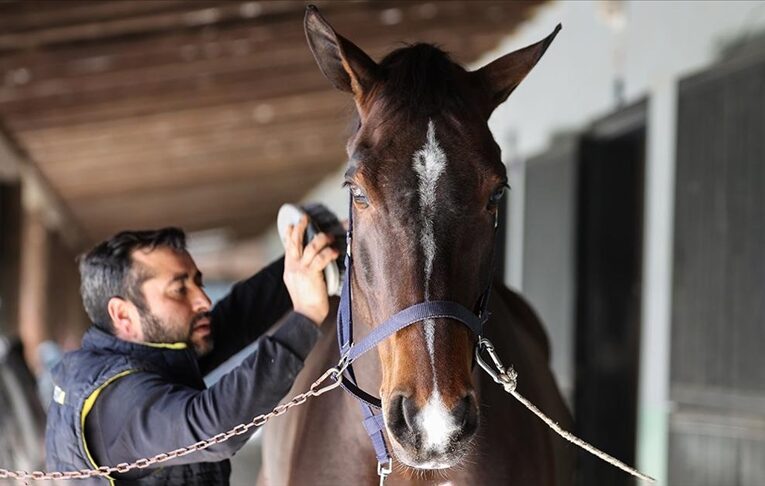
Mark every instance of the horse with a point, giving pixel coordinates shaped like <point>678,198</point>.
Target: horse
<point>425,178</point>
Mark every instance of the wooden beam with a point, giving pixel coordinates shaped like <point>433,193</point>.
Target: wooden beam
<point>197,208</point>
<point>38,197</point>
<point>89,178</point>
<point>35,114</point>
<point>9,163</point>
<point>366,26</point>
<point>201,56</point>
<point>31,15</point>
<point>250,85</point>
<point>169,17</point>
<point>206,13</point>
<point>243,86</point>
<point>159,117</point>
<point>203,53</point>
<point>191,202</point>
<point>259,115</point>
<point>148,147</point>
<point>133,184</point>
<point>33,286</point>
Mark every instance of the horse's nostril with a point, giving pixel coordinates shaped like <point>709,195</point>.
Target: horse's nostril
<point>409,411</point>
<point>434,427</point>
<point>466,414</point>
<point>401,416</point>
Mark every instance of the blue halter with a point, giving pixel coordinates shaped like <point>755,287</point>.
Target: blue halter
<point>371,406</point>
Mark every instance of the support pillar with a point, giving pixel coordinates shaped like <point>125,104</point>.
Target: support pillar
<point>33,284</point>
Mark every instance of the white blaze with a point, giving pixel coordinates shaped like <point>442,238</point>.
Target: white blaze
<point>429,163</point>
<point>437,423</point>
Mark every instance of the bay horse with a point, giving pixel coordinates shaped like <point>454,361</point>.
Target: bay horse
<point>425,178</point>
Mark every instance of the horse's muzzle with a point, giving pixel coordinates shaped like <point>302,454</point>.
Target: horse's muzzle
<point>431,436</point>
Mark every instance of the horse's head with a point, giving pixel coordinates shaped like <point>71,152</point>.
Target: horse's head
<point>426,179</point>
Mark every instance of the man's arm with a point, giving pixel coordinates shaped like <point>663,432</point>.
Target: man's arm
<point>254,305</point>
<point>142,414</point>
<point>246,313</point>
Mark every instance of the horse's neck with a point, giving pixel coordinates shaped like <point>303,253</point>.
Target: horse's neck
<point>511,314</point>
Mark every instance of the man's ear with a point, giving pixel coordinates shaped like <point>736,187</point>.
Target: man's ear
<point>340,60</point>
<point>124,320</point>
<point>503,75</point>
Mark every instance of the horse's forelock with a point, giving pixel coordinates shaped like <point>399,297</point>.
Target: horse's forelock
<point>420,81</point>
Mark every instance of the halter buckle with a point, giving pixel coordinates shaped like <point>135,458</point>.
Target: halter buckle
<point>384,469</point>
<point>345,361</point>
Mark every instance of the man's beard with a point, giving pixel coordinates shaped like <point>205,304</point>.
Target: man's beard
<point>155,331</point>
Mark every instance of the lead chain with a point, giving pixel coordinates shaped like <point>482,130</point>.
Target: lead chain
<point>316,389</point>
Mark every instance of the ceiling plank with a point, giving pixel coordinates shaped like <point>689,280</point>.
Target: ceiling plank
<point>298,144</point>
<point>159,139</point>
<point>193,208</point>
<point>347,17</point>
<point>274,112</point>
<point>28,15</point>
<point>273,60</point>
<point>113,183</point>
<point>197,113</point>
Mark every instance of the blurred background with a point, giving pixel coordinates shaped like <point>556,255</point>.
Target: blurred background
<point>635,224</point>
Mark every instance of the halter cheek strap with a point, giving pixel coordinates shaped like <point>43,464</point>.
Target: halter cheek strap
<point>371,406</point>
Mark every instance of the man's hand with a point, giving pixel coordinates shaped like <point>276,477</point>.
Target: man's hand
<point>303,271</point>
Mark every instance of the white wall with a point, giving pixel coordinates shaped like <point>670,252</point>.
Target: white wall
<point>573,83</point>
<point>650,45</point>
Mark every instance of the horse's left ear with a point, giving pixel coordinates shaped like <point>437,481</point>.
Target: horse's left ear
<point>342,62</point>
<point>503,75</point>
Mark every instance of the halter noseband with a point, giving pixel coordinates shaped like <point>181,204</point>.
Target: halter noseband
<point>371,406</point>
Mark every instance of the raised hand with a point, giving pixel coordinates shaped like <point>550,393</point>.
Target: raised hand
<point>303,270</point>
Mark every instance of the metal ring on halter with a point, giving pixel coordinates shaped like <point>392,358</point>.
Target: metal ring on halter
<point>505,377</point>
<point>384,469</point>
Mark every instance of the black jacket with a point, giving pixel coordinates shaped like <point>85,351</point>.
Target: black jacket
<point>118,401</point>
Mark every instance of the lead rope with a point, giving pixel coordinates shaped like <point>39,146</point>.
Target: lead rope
<point>508,379</point>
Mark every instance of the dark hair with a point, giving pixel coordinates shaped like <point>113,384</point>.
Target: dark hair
<point>108,270</point>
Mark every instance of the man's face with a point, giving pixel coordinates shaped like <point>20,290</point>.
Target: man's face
<point>176,307</point>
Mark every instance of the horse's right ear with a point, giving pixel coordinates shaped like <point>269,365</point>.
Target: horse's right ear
<point>503,75</point>
<point>344,64</point>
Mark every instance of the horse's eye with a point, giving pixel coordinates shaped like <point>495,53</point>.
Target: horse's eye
<point>496,197</point>
<point>359,197</point>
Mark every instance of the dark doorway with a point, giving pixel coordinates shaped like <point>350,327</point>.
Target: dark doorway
<point>608,298</point>
<point>10,217</point>
<point>717,374</point>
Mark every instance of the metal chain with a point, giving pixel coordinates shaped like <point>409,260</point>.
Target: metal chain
<point>508,379</point>
<point>315,390</point>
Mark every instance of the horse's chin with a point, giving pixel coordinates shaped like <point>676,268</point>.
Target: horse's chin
<point>431,461</point>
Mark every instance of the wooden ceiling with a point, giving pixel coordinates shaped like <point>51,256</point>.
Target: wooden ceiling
<point>197,113</point>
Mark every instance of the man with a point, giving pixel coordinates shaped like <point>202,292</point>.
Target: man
<point>135,387</point>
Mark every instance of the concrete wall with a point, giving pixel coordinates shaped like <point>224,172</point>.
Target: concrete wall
<point>645,47</point>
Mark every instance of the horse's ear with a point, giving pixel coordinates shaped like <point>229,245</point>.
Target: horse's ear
<point>503,75</point>
<point>344,64</point>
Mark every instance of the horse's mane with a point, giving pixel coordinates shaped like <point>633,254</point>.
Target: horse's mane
<point>421,80</point>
